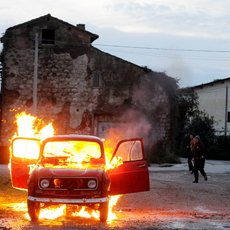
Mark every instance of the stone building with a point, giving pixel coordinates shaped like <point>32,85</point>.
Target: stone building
<point>78,87</point>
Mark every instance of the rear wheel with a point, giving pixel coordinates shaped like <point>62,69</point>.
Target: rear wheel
<point>104,211</point>
<point>33,210</point>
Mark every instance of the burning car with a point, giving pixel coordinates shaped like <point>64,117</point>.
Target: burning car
<point>74,170</point>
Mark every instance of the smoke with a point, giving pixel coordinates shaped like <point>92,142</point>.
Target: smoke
<point>181,70</point>
<point>151,114</point>
<point>134,125</point>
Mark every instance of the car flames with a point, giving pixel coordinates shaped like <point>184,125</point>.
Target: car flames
<point>33,127</point>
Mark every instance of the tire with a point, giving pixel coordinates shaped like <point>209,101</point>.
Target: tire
<point>104,211</point>
<point>33,210</point>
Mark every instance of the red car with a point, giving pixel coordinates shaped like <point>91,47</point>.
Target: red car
<point>72,170</point>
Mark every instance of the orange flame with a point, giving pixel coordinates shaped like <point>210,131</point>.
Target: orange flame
<point>30,126</point>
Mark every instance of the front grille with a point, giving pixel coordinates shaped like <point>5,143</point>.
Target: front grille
<point>68,183</point>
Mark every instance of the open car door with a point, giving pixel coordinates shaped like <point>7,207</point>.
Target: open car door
<point>24,152</point>
<point>133,175</point>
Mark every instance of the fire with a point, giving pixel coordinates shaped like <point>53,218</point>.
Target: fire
<point>21,206</point>
<point>95,214</point>
<point>49,213</point>
<point>55,212</point>
<point>79,153</point>
<point>52,213</point>
<point>30,126</point>
<point>112,202</point>
<point>109,146</point>
<point>25,125</point>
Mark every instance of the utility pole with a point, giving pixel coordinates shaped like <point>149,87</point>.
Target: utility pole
<point>35,85</point>
<point>226,112</point>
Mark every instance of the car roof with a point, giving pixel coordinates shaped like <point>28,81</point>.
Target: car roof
<point>73,137</point>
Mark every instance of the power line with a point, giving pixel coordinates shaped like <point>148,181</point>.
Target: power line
<point>167,49</point>
<point>162,55</point>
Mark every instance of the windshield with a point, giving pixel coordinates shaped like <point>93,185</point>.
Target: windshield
<point>72,151</point>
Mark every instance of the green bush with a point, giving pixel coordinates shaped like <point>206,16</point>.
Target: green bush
<point>213,153</point>
<point>157,154</point>
<point>219,151</point>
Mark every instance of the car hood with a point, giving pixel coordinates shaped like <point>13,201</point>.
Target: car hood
<point>66,172</point>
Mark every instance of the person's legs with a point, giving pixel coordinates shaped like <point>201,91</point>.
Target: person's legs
<point>190,164</point>
<point>195,171</point>
<point>201,168</point>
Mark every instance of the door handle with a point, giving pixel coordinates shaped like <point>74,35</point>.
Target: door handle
<point>142,166</point>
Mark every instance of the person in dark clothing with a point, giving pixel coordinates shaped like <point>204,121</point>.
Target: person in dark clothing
<point>199,159</point>
<point>191,152</point>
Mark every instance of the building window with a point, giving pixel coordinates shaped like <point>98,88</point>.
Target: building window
<point>96,80</point>
<point>48,36</point>
<point>228,116</point>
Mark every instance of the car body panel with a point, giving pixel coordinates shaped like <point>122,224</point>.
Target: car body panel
<point>20,160</point>
<point>133,175</point>
<point>129,177</point>
<point>68,201</point>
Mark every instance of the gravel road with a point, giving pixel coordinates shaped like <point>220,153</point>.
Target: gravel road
<point>173,202</point>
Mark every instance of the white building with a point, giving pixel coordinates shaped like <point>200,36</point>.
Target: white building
<point>214,99</point>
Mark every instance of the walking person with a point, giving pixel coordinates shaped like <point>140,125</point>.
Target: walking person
<point>199,159</point>
<point>191,148</point>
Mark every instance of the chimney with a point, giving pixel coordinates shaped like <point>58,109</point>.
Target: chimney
<point>81,26</point>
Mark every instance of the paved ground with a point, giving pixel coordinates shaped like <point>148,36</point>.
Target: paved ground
<point>211,166</point>
<point>173,202</point>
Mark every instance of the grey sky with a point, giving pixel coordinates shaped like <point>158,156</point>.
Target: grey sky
<point>189,40</point>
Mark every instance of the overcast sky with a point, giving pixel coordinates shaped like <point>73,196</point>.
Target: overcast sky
<point>187,39</point>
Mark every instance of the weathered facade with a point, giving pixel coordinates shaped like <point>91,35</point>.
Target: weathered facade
<point>79,88</point>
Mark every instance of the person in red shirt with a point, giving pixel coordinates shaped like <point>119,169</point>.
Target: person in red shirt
<point>199,159</point>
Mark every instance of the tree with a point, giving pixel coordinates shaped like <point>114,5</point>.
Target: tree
<point>203,125</point>
<point>187,101</point>
<point>191,120</point>
<point>187,106</point>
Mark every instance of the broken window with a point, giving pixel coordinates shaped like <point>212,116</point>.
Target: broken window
<point>48,36</point>
<point>96,83</point>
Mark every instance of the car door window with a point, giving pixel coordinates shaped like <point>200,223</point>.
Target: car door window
<point>24,148</point>
<point>24,152</point>
<point>130,151</point>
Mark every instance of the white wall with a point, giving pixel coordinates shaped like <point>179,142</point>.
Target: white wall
<point>212,99</point>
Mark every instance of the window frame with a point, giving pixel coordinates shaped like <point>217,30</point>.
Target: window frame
<point>96,83</point>
<point>48,36</point>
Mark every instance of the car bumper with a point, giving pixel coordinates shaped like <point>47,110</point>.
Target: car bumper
<point>68,201</point>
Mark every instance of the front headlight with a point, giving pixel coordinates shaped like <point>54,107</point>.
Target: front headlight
<point>45,183</point>
<point>92,184</point>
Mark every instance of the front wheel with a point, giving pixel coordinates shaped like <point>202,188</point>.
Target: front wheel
<point>104,211</point>
<point>33,210</point>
